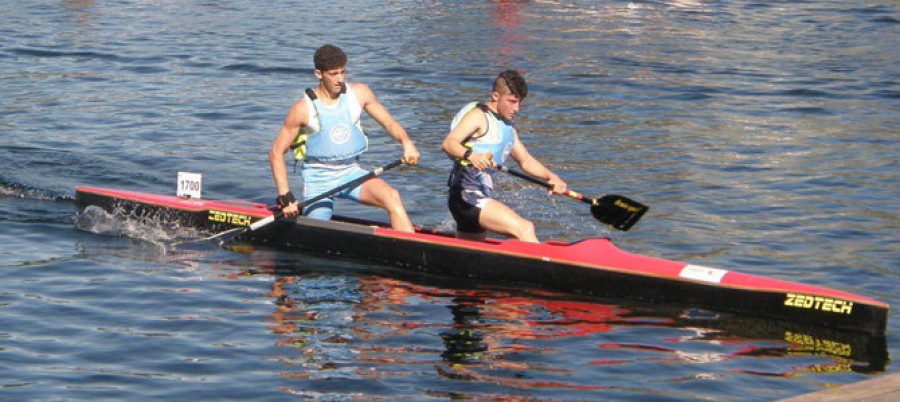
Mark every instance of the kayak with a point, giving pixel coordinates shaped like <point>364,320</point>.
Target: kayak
<point>592,266</point>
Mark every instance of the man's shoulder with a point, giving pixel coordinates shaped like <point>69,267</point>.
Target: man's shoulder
<point>301,103</point>
<point>361,92</point>
<point>358,88</point>
<point>469,109</point>
<point>476,108</point>
<point>299,111</point>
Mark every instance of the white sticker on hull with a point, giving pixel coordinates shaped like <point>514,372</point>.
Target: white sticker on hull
<point>190,185</point>
<point>701,273</point>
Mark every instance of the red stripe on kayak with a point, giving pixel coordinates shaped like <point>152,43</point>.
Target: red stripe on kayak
<point>600,253</point>
<point>187,204</point>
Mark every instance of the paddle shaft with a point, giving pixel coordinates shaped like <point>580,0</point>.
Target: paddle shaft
<point>355,182</point>
<point>568,193</point>
<point>616,210</point>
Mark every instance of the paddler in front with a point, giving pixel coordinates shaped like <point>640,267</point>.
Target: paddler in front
<point>323,129</point>
<point>481,137</point>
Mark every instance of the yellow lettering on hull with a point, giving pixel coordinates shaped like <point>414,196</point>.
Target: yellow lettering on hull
<point>820,303</point>
<point>229,218</point>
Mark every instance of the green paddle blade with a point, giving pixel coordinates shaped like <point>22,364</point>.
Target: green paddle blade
<point>618,211</point>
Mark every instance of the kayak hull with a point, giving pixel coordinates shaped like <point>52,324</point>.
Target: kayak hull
<point>593,266</point>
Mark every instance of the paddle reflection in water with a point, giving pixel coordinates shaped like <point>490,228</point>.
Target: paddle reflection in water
<point>363,333</point>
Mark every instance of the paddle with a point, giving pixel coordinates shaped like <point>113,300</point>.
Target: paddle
<point>618,211</point>
<point>228,236</point>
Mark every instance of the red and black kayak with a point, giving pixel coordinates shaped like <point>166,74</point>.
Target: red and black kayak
<point>592,266</point>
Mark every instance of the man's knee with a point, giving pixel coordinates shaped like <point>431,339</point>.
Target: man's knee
<point>391,199</point>
<point>393,194</point>
<point>523,229</point>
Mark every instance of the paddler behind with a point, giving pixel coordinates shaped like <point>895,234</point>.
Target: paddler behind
<point>481,137</point>
<point>323,129</point>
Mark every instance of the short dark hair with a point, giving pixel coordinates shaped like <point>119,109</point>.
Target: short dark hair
<point>513,82</point>
<point>329,57</point>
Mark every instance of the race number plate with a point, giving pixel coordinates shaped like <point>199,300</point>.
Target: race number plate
<point>190,185</point>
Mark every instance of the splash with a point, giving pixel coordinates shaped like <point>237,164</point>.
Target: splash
<point>152,228</point>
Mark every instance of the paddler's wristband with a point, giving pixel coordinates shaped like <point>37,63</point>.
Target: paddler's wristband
<point>286,199</point>
<point>467,154</point>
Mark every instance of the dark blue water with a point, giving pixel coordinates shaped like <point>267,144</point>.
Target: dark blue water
<point>764,136</point>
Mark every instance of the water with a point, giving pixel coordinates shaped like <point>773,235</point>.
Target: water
<point>763,136</point>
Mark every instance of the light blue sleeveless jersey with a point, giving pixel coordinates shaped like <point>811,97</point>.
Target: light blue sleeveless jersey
<point>498,139</point>
<point>338,137</point>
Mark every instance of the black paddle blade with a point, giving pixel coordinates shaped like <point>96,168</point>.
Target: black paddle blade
<point>618,211</point>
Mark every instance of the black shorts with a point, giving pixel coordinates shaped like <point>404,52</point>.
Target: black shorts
<point>465,214</point>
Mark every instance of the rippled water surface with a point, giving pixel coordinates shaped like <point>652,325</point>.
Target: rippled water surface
<point>762,134</point>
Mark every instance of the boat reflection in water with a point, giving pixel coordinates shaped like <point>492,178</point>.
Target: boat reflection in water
<point>362,329</point>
